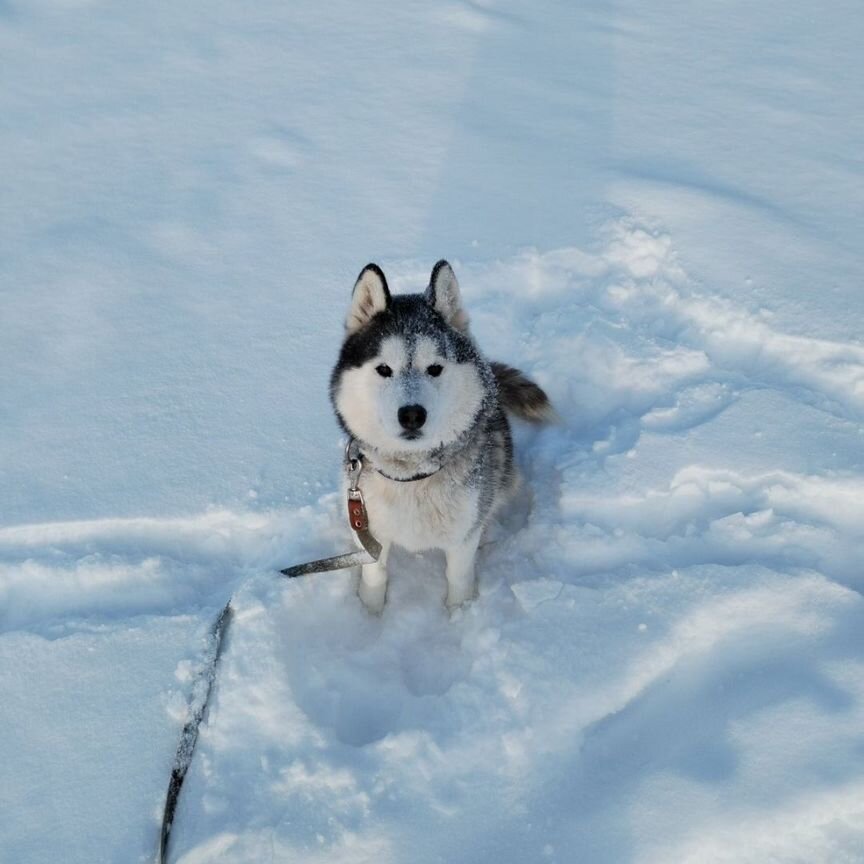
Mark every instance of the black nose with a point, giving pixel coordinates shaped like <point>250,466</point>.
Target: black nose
<point>412,417</point>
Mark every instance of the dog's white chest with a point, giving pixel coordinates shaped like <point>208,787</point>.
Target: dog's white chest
<point>421,514</point>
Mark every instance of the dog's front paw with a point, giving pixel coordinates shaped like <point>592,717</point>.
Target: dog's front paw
<point>459,596</point>
<point>373,597</point>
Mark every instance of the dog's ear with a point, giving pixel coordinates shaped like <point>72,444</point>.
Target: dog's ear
<point>370,296</point>
<point>444,297</point>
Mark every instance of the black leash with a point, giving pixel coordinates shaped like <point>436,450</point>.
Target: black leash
<point>203,685</point>
<point>201,688</point>
<point>358,518</point>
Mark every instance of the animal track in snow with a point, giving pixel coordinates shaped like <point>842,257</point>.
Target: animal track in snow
<point>717,515</point>
<point>644,349</point>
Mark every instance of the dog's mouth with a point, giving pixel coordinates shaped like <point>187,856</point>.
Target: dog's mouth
<point>410,435</point>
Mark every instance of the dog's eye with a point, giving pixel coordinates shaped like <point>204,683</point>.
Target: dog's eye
<point>384,370</point>
<point>435,370</point>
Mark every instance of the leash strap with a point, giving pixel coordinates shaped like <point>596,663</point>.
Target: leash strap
<point>358,519</point>
<point>199,697</point>
<point>337,562</point>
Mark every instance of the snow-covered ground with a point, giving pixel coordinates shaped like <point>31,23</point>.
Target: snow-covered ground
<point>655,209</point>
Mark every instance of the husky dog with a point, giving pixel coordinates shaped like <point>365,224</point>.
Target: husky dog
<point>426,411</point>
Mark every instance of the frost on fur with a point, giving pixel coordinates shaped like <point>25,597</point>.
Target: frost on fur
<point>370,296</point>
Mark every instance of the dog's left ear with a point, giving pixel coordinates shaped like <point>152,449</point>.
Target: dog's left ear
<point>444,297</point>
<point>370,296</point>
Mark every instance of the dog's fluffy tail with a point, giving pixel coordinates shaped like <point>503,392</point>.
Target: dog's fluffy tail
<point>522,397</point>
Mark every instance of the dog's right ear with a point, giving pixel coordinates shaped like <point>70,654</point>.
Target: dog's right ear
<point>371,296</point>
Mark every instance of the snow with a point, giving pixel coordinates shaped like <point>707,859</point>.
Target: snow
<point>652,209</point>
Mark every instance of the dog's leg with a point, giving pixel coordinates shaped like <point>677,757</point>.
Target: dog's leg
<point>373,583</point>
<point>461,578</point>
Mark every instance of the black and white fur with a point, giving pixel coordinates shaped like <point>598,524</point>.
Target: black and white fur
<point>427,412</point>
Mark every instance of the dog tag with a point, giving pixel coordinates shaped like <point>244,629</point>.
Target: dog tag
<point>357,516</point>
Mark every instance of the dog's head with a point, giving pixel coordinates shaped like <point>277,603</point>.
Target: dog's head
<point>409,378</point>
